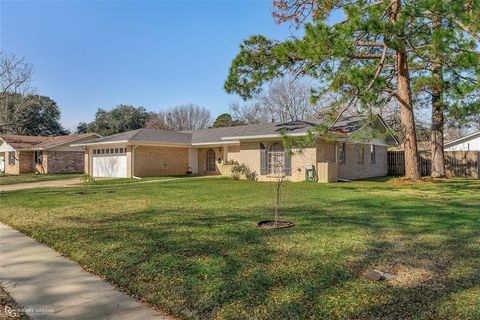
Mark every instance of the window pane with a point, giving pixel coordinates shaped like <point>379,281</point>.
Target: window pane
<point>116,150</point>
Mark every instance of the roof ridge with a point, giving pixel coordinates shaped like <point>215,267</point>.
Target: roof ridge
<point>136,133</point>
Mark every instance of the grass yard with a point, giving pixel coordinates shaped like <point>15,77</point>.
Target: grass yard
<point>6,179</point>
<point>133,180</point>
<point>191,247</point>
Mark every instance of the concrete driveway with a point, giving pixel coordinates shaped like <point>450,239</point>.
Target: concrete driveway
<point>42,184</point>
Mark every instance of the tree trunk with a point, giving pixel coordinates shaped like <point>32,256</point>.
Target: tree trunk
<point>404,96</point>
<point>438,155</point>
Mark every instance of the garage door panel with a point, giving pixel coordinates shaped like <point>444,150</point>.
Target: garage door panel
<point>110,166</point>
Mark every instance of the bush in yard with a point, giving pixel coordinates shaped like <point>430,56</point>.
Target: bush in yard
<point>239,170</point>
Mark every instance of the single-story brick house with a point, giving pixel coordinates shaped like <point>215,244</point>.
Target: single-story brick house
<point>150,152</point>
<point>37,154</point>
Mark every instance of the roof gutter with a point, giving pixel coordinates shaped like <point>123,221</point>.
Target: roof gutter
<point>214,143</point>
<point>97,143</point>
<point>265,136</point>
<point>132,142</point>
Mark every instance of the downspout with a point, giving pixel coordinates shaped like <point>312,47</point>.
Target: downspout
<point>133,163</point>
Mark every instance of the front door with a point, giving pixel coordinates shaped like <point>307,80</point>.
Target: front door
<point>211,161</point>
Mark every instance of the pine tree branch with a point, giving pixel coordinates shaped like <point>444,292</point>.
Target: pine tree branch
<point>368,56</point>
<point>465,28</point>
<point>369,44</point>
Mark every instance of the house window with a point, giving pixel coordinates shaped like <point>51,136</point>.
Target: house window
<point>111,150</point>
<point>341,153</point>
<point>211,160</point>
<point>11,158</point>
<point>361,154</point>
<point>116,150</point>
<point>276,158</point>
<point>38,157</point>
<point>94,151</point>
<point>103,151</point>
<point>373,158</point>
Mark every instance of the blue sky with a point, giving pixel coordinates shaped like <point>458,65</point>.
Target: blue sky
<point>156,54</point>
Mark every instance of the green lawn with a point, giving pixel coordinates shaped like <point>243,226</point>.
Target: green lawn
<point>133,180</point>
<point>32,177</point>
<point>191,246</point>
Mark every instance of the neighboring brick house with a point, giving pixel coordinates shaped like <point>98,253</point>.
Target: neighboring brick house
<point>35,154</point>
<point>150,152</point>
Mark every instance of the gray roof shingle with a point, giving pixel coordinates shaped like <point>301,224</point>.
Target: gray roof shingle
<point>153,135</point>
<point>214,135</point>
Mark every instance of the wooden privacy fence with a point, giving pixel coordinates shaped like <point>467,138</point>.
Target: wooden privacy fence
<point>457,163</point>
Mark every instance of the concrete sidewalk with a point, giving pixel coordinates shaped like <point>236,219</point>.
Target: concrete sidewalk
<point>50,286</point>
<point>40,184</point>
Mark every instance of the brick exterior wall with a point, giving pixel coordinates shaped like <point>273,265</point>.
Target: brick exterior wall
<point>202,160</point>
<point>160,161</point>
<point>352,170</point>
<point>324,151</point>
<point>300,159</point>
<point>233,152</point>
<point>9,169</point>
<point>250,155</point>
<point>24,163</point>
<point>63,161</point>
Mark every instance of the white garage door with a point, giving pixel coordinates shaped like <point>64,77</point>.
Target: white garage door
<point>110,166</point>
<point>2,164</point>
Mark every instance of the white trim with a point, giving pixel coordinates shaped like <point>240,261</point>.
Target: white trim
<point>5,147</point>
<point>215,143</point>
<point>133,163</point>
<point>388,129</point>
<point>460,140</point>
<point>133,143</point>
<point>159,144</point>
<point>87,144</point>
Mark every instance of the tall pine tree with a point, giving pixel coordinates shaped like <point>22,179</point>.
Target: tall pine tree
<point>363,61</point>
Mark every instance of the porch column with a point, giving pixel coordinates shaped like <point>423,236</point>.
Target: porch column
<point>225,153</point>
<point>193,160</point>
<point>129,162</point>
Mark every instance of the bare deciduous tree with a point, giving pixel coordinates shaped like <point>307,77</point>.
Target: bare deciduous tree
<point>249,113</point>
<point>15,79</point>
<point>182,117</point>
<point>286,99</point>
<point>15,74</point>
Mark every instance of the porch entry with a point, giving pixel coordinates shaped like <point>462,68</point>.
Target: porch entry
<point>211,161</point>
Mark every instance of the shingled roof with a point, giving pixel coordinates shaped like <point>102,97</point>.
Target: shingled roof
<point>147,135</point>
<point>345,126</point>
<point>20,142</point>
